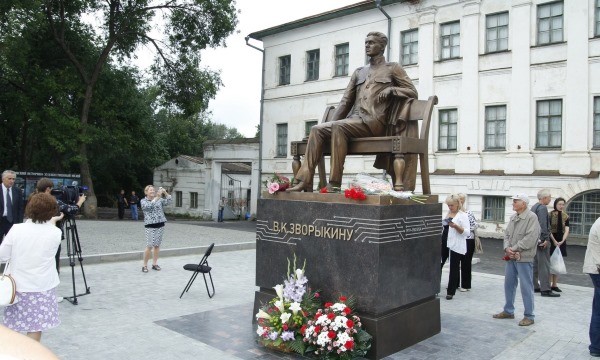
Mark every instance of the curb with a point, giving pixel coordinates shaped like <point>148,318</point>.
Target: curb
<point>139,255</point>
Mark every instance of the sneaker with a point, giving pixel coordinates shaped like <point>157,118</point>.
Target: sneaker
<point>526,322</point>
<point>503,315</point>
<point>463,289</point>
<point>555,288</point>
<point>59,299</point>
<point>549,293</point>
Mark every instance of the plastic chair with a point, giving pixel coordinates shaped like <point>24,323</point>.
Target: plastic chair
<point>201,267</point>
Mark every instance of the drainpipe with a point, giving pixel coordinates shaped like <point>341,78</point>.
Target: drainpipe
<point>389,32</point>
<point>262,101</point>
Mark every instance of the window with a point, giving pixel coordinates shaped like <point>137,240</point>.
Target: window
<point>597,32</point>
<point>308,125</point>
<point>448,121</point>
<point>496,32</point>
<point>493,208</point>
<point>549,124</point>
<point>550,23</point>
<point>450,40</point>
<point>284,69</point>
<point>495,127</point>
<point>342,55</point>
<point>583,211</point>
<point>410,47</point>
<point>282,135</point>
<point>597,121</point>
<point>194,200</point>
<point>312,65</point>
<point>178,199</point>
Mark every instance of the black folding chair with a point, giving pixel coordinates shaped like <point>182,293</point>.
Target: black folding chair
<point>201,267</point>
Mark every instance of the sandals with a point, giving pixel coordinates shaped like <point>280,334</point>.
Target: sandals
<point>156,267</point>
<point>144,269</point>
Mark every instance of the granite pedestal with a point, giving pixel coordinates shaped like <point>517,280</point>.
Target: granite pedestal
<point>384,251</point>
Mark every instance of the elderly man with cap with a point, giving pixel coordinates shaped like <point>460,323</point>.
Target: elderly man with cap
<point>520,241</point>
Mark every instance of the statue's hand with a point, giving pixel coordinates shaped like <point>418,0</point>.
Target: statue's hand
<point>383,95</point>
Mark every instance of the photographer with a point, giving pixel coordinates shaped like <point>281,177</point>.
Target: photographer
<point>45,185</point>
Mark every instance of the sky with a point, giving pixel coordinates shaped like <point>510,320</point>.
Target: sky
<point>237,103</point>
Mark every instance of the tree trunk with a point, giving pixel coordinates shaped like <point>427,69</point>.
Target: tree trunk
<point>90,206</point>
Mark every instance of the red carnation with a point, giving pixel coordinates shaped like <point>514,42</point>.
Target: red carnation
<point>331,334</point>
<point>317,328</point>
<point>347,193</point>
<point>305,313</point>
<point>350,323</point>
<point>343,298</point>
<point>323,190</point>
<point>302,329</point>
<point>285,327</point>
<point>328,304</point>
<point>317,295</point>
<point>362,196</point>
<point>349,344</point>
<point>331,316</point>
<point>347,310</point>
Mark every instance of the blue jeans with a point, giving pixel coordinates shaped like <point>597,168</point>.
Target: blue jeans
<point>220,219</point>
<point>515,272</point>
<point>595,322</point>
<point>134,214</point>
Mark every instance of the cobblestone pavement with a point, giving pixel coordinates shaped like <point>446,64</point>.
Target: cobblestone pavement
<point>133,315</point>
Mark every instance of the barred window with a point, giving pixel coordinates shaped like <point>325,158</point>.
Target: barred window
<point>448,129</point>
<point>495,127</point>
<point>284,69</point>
<point>450,40</point>
<point>550,23</point>
<point>496,32</point>
<point>194,200</point>
<point>342,56</point>
<point>282,136</point>
<point>410,47</point>
<point>178,199</point>
<point>493,208</point>
<point>312,65</point>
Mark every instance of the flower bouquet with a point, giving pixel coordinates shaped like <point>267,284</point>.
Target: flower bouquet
<point>371,185</point>
<point>335,333</point>
<point>277,183</point>
<point>280,321</point>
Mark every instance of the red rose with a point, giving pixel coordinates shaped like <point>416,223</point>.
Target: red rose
<point>328,304</point>
<point>506,258</point>
<point>317,295</point>
<point>350,323</point>
<point>343,298</point>
<point>349,344</point>
<point>331,334</point>
<point>331,316</point>
<point>323,190</point>
<point>347,310</point>
<point>362,196</point>
<point>302,329</point>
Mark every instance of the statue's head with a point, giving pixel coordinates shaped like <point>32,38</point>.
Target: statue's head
<point>379,37</point>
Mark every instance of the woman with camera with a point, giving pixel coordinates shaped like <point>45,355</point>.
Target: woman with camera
<point>154,222</point>
<point>31,247</point>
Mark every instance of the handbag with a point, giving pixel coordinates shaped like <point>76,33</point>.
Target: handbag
<point>478,246</point>
<point>557,263</point>
<point>8,288</point>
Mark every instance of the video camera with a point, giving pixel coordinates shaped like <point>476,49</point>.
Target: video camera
<point>69,194</point>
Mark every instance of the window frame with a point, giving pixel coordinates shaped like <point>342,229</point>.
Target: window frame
<point>282,140</point>
<point>312,65</point>
<point>497,28</point>
<point>549,117</point>
<point>451,37</point>
<point>551,30</point>
<point>285,67</point>
<point>308,125</point>
<point>496,122</point>
<point>597,22</point>
<point>345,59</point>
<point>193,200</point>
<point>596,122</point>
<point>178,199</point>
<point>409,45</point>
<point>493,212</point>
<point>450,125</point>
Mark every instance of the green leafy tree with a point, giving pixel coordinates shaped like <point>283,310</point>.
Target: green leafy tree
<point>185,28</point>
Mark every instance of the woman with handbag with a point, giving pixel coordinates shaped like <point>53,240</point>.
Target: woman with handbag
<point>154,222</point>
<point>458,230</point>
<point>467,258</point>
<point>31,247</point>
<point>559,231</point>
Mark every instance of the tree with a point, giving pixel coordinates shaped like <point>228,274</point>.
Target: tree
<point>188,26</point>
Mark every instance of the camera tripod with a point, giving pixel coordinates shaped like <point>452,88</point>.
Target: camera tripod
<point>74,251</point>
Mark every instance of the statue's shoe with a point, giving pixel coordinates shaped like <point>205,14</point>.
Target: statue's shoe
<point>301,186</point>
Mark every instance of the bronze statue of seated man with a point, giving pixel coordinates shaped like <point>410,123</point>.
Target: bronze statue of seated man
<point>376,92</point>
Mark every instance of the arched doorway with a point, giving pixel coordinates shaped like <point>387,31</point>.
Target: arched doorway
<point>583,210</point>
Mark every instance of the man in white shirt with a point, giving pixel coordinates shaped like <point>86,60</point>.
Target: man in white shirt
<point>11,203</point>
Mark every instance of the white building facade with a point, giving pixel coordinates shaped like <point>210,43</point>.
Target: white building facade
<point>518,108</point>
